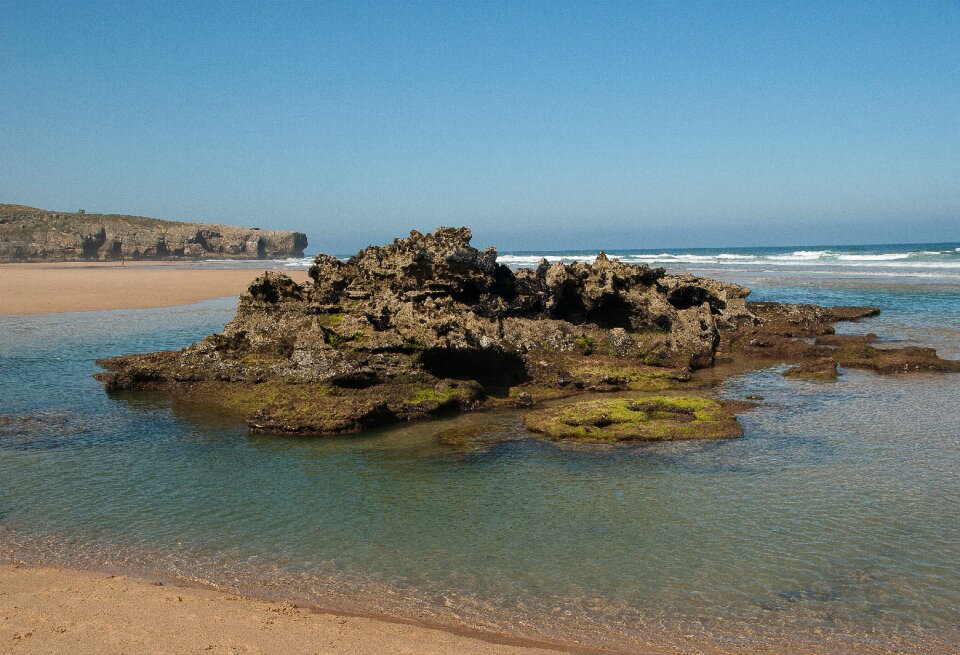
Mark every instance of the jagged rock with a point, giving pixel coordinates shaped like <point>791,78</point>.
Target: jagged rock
<point>29,234</point>
<point>695,334</point>
<point>429,324</point>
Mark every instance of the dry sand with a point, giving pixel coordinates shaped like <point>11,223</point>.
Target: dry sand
<point>50,610</point>
<point>81,287</point>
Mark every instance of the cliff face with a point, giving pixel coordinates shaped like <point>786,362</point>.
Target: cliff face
<point>29,234</point>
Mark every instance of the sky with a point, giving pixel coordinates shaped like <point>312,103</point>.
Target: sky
<point>540,125</point>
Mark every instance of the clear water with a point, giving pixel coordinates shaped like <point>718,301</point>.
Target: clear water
<point>832,526</point>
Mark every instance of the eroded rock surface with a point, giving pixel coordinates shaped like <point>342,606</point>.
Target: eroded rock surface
<point>429,324</point>
<point>29,234</point>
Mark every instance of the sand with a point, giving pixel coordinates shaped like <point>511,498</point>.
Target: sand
<point>80,287</point>
<point>51,610</point>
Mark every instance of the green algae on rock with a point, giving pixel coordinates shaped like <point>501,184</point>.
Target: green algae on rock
<point>653,418</point>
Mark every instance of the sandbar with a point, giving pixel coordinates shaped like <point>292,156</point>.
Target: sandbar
<point>86,287</point>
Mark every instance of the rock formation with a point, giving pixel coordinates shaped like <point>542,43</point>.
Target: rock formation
<point>28,234</point>
<point>430,324</point>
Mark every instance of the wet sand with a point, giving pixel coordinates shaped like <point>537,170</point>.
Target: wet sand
<point>51,610</point>
<point>85,287</point>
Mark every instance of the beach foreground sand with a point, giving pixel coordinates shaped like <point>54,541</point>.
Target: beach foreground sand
<point>51,610</point>
<point>82,287</point>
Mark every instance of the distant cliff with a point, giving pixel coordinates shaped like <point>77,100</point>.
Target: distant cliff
<point>30,234</point>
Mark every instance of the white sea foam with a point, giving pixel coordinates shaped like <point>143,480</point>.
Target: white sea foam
<point>838,259</point>
<point>729,256</point>
<point>800,255</point>
<point>875,258</point>
<point>305,261</point>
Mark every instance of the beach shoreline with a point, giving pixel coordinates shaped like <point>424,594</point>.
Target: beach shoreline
<point>97,286</point>
<point>53,609</point>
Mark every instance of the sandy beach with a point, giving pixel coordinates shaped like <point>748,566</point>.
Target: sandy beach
<point>50,610</point>
<point>85,287</point>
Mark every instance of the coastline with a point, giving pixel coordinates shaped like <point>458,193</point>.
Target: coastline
<point>786,596</point>
<point>50,609</point>
<point>98,286</point>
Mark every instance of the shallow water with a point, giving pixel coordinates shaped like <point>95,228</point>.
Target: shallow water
<point>832,525</point>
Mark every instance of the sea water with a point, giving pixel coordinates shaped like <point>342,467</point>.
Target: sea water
<point>831,526</point>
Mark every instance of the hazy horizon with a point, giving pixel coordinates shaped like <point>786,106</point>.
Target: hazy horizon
<point>541,126</point>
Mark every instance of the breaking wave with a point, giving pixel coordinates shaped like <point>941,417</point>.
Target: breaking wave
<point>917,260</point>
<point>859,258</point>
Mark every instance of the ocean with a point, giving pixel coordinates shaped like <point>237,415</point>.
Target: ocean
<point>831,526</point>
<point>919,260</point>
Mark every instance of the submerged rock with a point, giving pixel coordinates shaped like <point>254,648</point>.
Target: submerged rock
<point>42,429</point>
<point>822,369</point>
<point>429,324</point>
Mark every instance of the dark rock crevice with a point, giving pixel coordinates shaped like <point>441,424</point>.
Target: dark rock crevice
<point>491,367</point>
<point>90,245</point>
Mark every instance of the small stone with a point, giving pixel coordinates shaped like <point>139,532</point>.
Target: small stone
<point>524,400</point>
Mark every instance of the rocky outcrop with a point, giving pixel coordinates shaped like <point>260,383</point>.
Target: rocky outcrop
<point>28,234</point>
<point>804,334</point>
<point>429,324</point>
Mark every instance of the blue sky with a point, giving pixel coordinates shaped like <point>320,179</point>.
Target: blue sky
<point>540,125</point>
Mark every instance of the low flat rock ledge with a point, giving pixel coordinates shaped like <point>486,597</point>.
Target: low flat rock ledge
<point>429,324</point>
<point>647,418</point>
<point>28,234</point>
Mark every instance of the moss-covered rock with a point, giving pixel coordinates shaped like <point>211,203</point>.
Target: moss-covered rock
<point>654,418</point>
<point>608,374</point>
<point>450,395</point>
<point>910,359</point>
